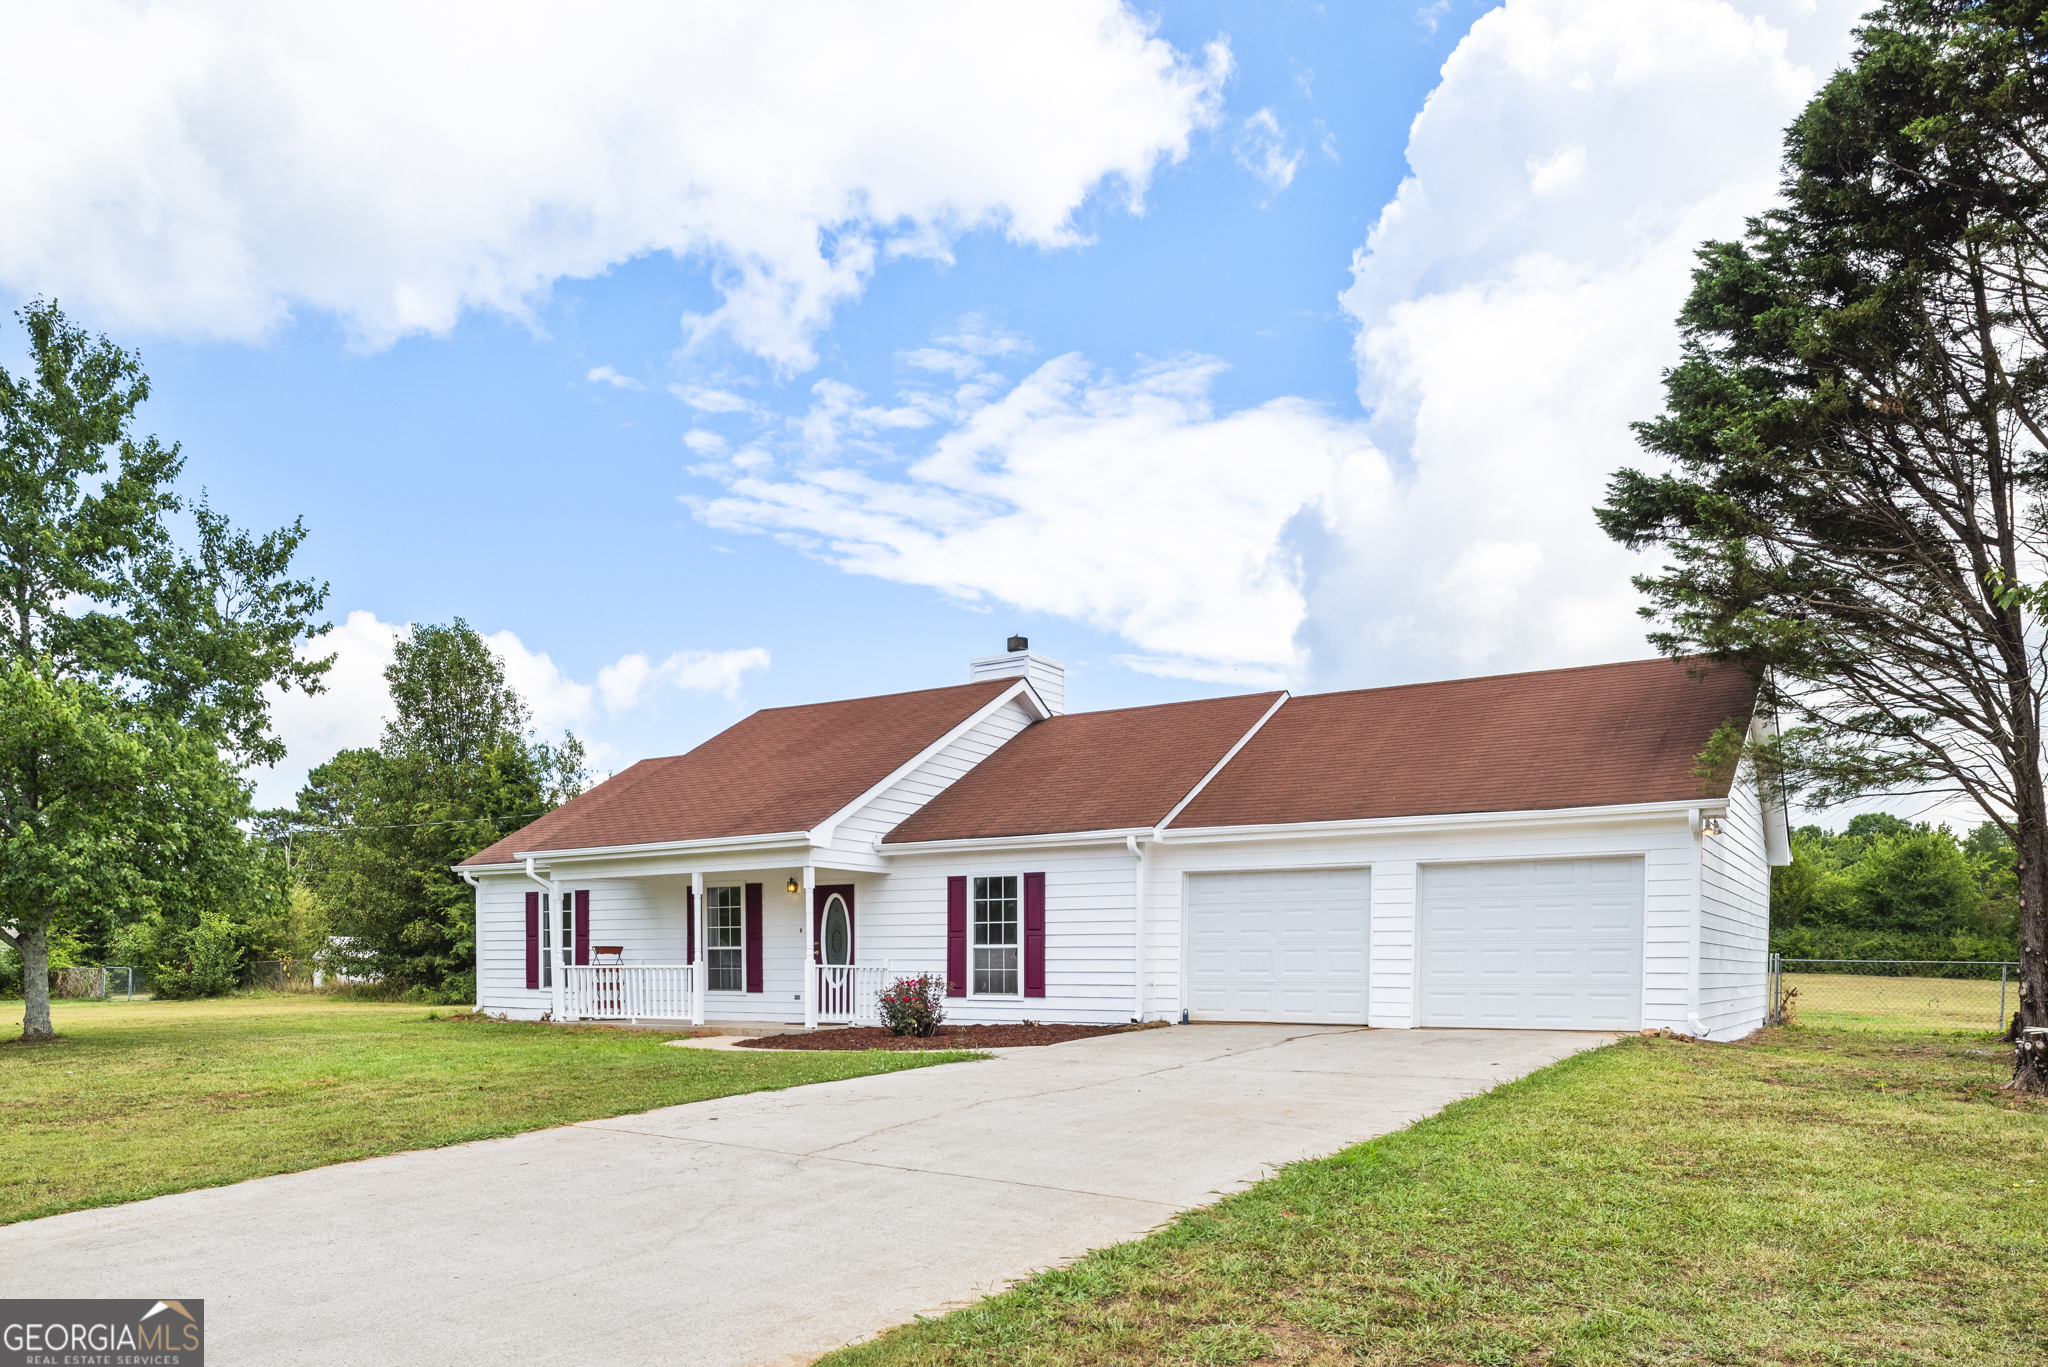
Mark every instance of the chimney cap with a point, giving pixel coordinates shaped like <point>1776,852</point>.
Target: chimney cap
<point>1020,643</point>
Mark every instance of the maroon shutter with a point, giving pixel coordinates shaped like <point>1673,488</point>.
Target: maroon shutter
<point>583,925</point>
<point>753,937</point>
<point>532,941</point>
<point>956,937</point>
<point>1034,935</point>
<point>690,924</point>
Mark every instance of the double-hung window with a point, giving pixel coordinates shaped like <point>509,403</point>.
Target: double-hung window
<point>995,930</point>
<point>557,934</point>
<point>725,940</point>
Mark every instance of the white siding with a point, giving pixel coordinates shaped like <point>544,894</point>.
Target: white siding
<point>1089,929</point>
<point>1735,917</point>
<point>1662,842</point>
<point>501,946</point>
<point>1703,932</point>
<point>895,804</point>
<point>648,919</point>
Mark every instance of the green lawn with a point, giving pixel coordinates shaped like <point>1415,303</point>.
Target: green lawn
<point>140,1099</point>
<point>1844,1000</point>
<point>1813,1197</point>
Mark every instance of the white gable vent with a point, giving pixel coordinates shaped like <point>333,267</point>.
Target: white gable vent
<point>1048,676</point>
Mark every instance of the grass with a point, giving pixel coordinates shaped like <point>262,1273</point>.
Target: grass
<point>1854,1001</point>
<point>1811,1197</point>
<point>136,1100</point>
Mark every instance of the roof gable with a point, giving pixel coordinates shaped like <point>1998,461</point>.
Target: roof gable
<point>1604,735</point>
<point>781,769</point>
<point>1089,771</point>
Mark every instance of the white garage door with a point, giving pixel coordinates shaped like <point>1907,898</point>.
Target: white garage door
<point>1541,945</point>
<point>1287,946</point>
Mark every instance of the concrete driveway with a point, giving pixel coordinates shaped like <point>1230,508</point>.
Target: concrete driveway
<point>759,1229</point>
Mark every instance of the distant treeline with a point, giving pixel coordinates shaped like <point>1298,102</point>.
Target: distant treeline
<point>1886,888</point>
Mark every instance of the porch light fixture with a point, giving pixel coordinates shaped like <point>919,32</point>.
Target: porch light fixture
<point>1711,826</point>
<point>792,888</point>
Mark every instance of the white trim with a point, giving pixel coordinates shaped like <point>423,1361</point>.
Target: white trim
<point>727,842</point>
<point>1138,877</point>
<point>822,833</point>
<point>698,961</point>
<point>806,917</point>
<point>1228,756</point>
<point>1013,842</point>
<point>741,990</point>
<point>1372,825</point>
<point>1018,995</point>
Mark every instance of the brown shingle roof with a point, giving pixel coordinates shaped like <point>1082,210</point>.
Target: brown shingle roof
<point>1089,771</point>
<point>1591,737</point>
<point>782,769</point>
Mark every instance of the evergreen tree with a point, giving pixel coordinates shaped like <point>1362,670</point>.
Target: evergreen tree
<point>1858,436</point>
<point>382,827</point>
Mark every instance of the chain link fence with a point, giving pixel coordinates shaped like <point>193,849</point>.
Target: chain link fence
<point>1936,994</point>
<point>100,981</point>
<point>278,975</point>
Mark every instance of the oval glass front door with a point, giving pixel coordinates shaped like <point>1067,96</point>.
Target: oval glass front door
<point>837,939</point>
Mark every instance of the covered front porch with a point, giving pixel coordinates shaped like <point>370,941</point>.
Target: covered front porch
<point>759,947</point>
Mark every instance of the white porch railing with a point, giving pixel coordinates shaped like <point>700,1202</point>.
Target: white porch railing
<point>626,992</point>
<point>847,993</point>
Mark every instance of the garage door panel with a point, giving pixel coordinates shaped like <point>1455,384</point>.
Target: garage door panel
<point>1288,945</point>
<point>1551,944</point>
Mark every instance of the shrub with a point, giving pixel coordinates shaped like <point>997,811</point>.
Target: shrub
<point>204,961</point>
<point>914,1006</point>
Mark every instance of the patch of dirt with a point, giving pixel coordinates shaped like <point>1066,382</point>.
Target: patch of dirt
<point>949,1037</point>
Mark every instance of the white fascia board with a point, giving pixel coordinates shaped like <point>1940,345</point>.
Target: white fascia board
<point>824,831</point>
<point>1577,816</point>
<point>1016,842</point>
<point>664,847</point>
<point>1228,756</point>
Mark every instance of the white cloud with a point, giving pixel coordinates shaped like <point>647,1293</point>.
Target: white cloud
<point>705,443</point>
<point>706,400</point>
<point>208,167</point>
<point>624,683</point>
<point>1124,502</point>
<point>348,715</point>
<point>1261,148</point>
<point>356,705</point>
<point>1514,308</point>
<point>604,374</point>
<point>558,702</point>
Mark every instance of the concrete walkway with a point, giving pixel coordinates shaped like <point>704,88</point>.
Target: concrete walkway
<point>761,1229</point>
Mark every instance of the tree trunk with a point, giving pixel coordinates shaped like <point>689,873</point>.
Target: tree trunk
<point>2030,1065</point>
<point>35,980</point>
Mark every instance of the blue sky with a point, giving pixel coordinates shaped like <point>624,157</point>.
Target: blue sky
<point>716,357</point>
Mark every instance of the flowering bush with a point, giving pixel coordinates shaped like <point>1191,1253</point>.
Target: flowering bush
<point>914,1006</point>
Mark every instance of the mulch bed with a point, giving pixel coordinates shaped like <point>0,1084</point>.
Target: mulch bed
<point>949,1037</point>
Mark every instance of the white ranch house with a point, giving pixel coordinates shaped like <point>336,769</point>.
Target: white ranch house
<point>1529,850</point>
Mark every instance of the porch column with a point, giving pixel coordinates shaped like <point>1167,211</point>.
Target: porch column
<point>805,916</point>
<point>697,964</point>
<point>555,940</point>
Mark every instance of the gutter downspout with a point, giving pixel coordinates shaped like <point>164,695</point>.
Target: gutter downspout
<point>1138,964</point>
<point>554,957</point>
<point>697,964</point>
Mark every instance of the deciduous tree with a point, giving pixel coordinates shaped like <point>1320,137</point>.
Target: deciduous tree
<point>167,654</point>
